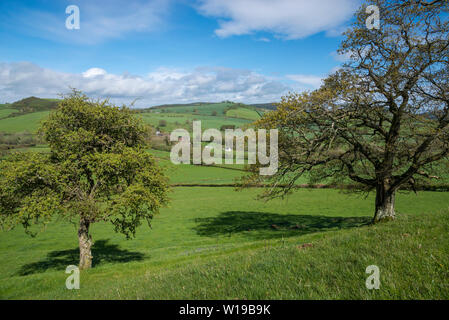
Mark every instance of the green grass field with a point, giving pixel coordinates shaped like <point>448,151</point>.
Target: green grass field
<point>29,122</point>
<point>178,121</point>
<point>197,175</point>
<point>200,109</point>
<point>176,117</point>
<point>219,243</point>
<point>243,113</point>
<point>4,112</point>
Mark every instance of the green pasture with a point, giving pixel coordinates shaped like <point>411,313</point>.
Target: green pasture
<point>200,109</point>
<point>4,112</point>
<point>219,243</point>
<point>28,122</point>
<point>243,113</point>
<point>183,121</point>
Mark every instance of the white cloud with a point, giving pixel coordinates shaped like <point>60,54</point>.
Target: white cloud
<point>290,19</point>
<point>93,72</point>
<point>100,20</point>
<point>22,79</point>
<point>306,81</point>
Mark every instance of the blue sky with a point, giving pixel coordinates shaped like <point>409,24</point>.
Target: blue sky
<point>170,51</point>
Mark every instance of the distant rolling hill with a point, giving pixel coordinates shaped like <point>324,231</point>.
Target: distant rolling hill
<point>225,108</point>
<point>268,106</point>
<point>26,114</point>
<point>199,108</point>
<point>34,104</point>
<point>211,105</point>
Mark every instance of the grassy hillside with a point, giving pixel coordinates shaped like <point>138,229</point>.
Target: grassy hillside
<point>197,175</point>
<point>215,242</point>
<point>243,113</point>
<point>199,108</point>
<point>33,104</point>
<point>268,106</point>
<point>28,122</point>
<point>178,120</point>
<point>218,243</point>
<point>228,109</point>
<point>4,112</point>
<point>26,114</point>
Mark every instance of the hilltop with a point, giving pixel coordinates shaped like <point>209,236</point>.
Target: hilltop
<point>208,107</point>
<point>20,120</point>
<point>27,105</point>
<point>34,104</point>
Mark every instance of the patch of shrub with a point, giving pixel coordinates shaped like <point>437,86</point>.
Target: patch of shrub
<point>19,138</point>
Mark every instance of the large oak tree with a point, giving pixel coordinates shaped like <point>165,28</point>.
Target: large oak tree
<point>381,120</point>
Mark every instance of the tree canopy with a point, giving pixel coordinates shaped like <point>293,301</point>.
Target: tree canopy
<point>382,119</point>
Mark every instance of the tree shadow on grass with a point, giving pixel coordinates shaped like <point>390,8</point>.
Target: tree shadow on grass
<point>102,252</point>
<point>263,225</point>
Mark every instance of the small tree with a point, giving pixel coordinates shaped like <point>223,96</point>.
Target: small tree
<point>162,123</point>
<point>382,120</point>
<point>97,170</point>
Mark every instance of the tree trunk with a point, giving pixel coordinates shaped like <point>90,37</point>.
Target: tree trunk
<point>384,204</point>
<point>85,243</point>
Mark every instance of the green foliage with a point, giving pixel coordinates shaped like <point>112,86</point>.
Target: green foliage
<point>30,190</point>
<point>81,126</point>
<point>17,138</point>
<point>97,170</point>
<point>382,120</point>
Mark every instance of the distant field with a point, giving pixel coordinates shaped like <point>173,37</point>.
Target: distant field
<point>177,117</point>
<point>220,174</point>
<point>217,243</point>
<point>215,109</point>
<point>192,174</point>
<point>204,109</point>
<point>178,121</point>
<point>243,113</point>
<point>4,112</point>
<point>34,104</point>
<point>29,122</point>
